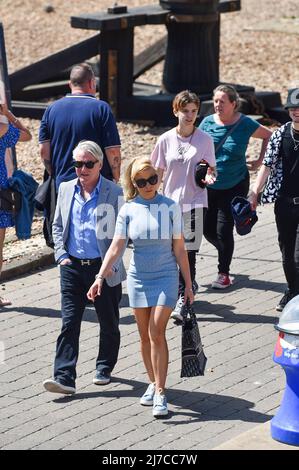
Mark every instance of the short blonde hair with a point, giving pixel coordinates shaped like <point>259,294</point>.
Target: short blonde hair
<point>90,147</point>
<point>135,166</point>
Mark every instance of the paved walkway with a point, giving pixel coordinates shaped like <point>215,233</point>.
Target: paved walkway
<point>242,386</point>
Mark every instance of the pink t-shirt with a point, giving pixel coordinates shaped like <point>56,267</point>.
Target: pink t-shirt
<point>177,156</point>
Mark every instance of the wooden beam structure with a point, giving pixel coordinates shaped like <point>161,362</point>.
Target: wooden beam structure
<point>117,34</point>
<point>47,68</point>
<point>151,56</point>
<point>118,68</point>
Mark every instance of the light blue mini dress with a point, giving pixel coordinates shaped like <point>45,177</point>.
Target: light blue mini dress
<point>153,273</point>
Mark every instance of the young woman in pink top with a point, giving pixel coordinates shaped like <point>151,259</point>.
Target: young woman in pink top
<point>175,156</point>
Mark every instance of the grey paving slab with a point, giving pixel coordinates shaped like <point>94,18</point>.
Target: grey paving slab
<point>242,386</point>
<point>257,438</point>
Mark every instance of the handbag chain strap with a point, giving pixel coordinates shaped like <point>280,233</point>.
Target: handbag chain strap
<point>229,132</point>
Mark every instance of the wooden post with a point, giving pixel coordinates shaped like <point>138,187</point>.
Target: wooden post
<point>191,60</point>
<point>192,56</point>
<point>112,80</point>
<point>116,66</point>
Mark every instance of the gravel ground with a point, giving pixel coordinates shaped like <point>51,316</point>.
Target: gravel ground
<point>266,60</point>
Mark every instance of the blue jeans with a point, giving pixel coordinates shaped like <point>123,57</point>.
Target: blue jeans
<point>75,281</point>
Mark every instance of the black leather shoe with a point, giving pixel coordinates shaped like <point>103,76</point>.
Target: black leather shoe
<point>284,300</point>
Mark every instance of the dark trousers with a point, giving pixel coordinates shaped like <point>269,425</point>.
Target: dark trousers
<point>287,222</point>
<point>219,222</point>
<point>189,235</point>
<point>75,281</point>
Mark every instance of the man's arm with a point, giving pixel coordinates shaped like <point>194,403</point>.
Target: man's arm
<point>45,153</point>
<point>113,155</point>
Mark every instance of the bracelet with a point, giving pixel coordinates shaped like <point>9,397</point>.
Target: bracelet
<point>99,276</point>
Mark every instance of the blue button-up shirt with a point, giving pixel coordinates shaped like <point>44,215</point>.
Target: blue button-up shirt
<point>82,239</point>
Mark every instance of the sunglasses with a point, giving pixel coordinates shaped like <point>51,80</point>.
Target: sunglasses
<point>90,164</point>
<point>142,182</point>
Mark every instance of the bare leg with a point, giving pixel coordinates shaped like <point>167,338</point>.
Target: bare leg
<point>2,236</point>
<point>159,350</point>
<point>142,316</point>
<point>3,301</point>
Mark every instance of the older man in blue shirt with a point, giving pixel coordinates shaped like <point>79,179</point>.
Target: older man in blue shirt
<point>82,231</point>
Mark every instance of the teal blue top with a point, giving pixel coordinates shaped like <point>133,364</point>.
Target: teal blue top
<point>231,157</point>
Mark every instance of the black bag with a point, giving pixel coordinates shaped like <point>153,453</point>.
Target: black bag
<point>10,200</point>
<point>193,358</point>
<point>201,169</point>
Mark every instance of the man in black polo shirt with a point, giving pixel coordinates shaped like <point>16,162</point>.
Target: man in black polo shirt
<point>78,116</point>
<point>281,170</point>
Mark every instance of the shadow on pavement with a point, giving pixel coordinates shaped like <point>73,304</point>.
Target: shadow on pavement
<point>242,280</point>
<point>210,313</point>
<point>89,314</point>
<point>191,406</point>
<point>225,313</point>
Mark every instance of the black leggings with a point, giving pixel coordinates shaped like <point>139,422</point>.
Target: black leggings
<point>287,222</point>
<point>192,264</point>
<point>219,222</point>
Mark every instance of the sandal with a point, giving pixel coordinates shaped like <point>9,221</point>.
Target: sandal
<point>4,302</point>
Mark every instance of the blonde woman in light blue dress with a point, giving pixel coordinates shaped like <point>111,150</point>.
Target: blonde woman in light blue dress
<point>154,224</point>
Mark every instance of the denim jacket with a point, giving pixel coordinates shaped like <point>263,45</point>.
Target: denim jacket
<point>26,185</point>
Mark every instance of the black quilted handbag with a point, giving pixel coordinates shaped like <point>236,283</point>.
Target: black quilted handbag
<point>10,200</point>
<point>193,357</point>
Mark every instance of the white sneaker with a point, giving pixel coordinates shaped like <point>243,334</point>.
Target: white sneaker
<point>147,398</point>
<point>176,314</point>
<point>56,387</point>
<point>160,405</point>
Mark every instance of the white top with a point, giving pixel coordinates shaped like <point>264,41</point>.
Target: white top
<point>178,156</point>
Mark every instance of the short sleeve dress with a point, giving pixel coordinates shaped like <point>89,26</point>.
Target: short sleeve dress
<point>9,139</point>
<point>153,273</point>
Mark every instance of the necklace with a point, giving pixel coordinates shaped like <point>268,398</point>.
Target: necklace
<point>295,141</point>
<point>183,149</point>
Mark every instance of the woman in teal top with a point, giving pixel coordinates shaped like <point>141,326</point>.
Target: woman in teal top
<point>154,224</point>
<point>232,172</point>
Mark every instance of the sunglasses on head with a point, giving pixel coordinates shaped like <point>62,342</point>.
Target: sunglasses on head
<point>89,164</point>
<point>142,182</point>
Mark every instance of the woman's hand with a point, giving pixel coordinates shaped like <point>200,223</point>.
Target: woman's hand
<point>188,295</point>
<point>95,289</point>
<point>252,198</point>
<point>65,261</point>
<point>210,176</point>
